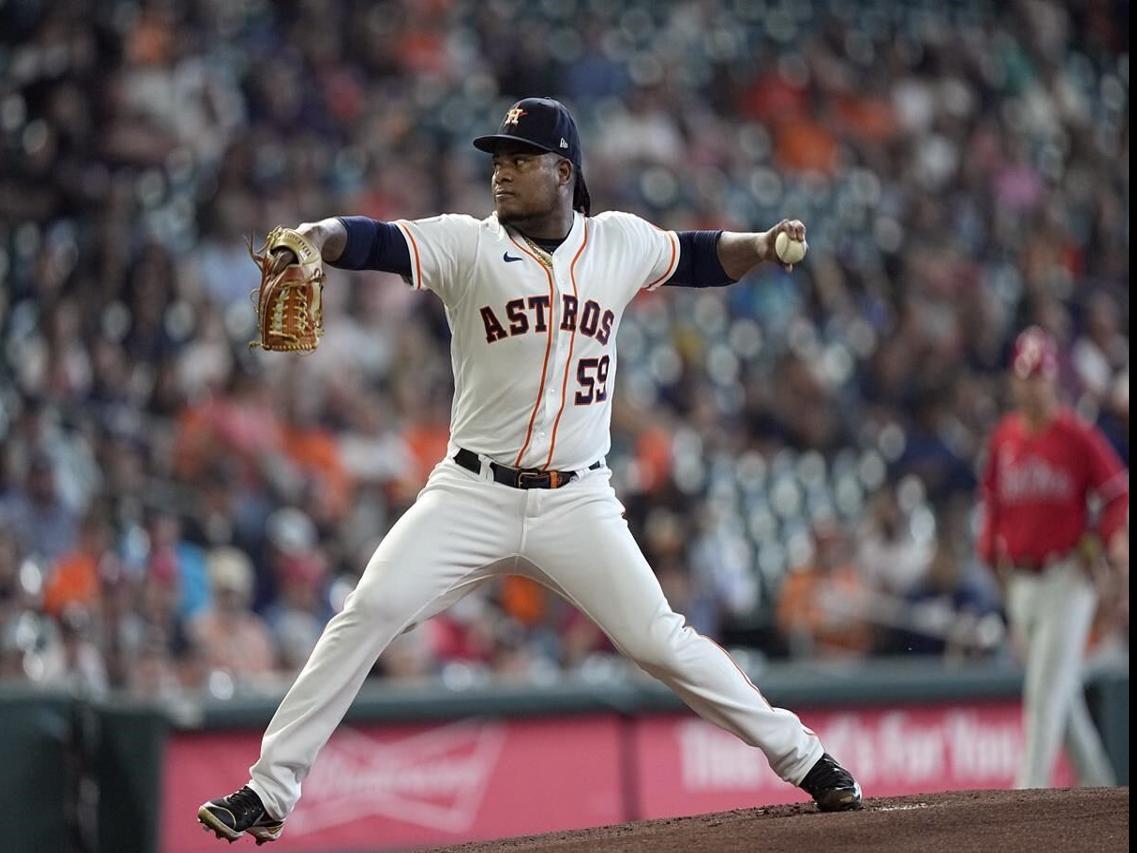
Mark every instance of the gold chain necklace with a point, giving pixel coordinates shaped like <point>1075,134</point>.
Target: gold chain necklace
<point>544,257</point>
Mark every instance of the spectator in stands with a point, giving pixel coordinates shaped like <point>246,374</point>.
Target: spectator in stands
<point>298,615</point>
<point>821,605</point>
<point>949,612</point>
<point>45,526</point>
<point>893,557</point>
<point>73,582</point>
<point>74,662</point>
<point>232,638</point>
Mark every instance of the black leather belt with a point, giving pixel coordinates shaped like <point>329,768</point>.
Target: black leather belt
<point>525,478</point>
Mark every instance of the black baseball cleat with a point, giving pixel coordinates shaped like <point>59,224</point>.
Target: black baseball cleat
<point>231,817</point>
<point>832,787</point>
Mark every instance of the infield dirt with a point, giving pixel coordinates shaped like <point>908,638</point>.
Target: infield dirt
<point>1095,820</point>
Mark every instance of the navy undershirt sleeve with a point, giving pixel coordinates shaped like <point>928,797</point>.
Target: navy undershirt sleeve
<point>374,245</point>
<point>699,264</point>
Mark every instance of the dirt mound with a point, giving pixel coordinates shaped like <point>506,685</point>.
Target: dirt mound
<point>1068,820</point>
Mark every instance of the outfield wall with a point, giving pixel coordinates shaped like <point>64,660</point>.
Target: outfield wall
<point>424,765</point>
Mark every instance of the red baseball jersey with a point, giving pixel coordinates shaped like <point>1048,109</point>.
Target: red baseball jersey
<point>1036,488</point>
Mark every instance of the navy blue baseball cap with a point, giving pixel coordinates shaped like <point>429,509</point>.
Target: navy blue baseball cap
<point>548,125</point>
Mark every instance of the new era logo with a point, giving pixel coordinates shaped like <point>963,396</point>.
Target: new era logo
<point>564,144</point>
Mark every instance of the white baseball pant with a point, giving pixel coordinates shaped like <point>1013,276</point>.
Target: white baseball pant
<point>465,529</point>
<point>1050,614</point>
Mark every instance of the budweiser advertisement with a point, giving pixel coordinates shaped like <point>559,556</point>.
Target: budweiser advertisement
<point>400,787</point>
<point>392,787</point>
<point>688,766</point>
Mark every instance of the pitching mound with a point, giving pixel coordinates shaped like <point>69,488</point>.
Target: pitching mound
<point>1089,819</point>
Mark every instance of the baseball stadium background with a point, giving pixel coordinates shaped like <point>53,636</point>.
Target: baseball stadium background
<point>180,515</point>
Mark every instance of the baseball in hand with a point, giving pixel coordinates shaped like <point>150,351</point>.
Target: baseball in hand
<point>788,251</point>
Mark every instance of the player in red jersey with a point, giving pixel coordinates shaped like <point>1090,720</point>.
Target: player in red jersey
<point>1043,468</point>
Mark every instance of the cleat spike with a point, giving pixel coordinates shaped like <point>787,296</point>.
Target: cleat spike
<point>832,787</point>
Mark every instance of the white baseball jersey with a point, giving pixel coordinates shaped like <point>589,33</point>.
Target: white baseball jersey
<point>534,347</point>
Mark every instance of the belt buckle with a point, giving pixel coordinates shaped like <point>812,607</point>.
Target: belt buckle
<point>530,479</point>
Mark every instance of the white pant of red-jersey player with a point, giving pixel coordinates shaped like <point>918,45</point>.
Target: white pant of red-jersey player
<point>1050,614</point>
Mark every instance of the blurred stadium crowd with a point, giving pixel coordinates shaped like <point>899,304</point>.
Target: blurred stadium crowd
<point>797,453</point>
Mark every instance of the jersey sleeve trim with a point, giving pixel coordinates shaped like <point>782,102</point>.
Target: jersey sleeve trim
<point>416,269</point>
<point>671,264</point>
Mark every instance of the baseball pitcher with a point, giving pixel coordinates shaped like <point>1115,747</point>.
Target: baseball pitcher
<point>534,294</point>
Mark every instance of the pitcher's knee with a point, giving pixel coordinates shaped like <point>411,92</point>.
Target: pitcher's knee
<point>659,649</point>
<point>380,606</point>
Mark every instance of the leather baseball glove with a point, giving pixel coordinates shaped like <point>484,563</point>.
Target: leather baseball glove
<point>290,315</point>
